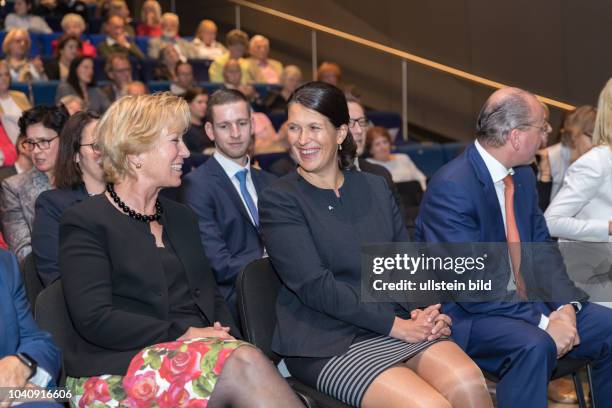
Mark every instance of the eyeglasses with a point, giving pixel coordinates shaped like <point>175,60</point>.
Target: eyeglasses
<point>94,147</point>
<point>545,128</point>
<point>43,144</point>
<point>363,122</point>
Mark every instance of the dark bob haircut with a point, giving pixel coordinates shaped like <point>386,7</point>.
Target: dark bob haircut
<point>68,174</point>
<point>51,117</point>
<point>73,78</point>
<point>330,102</point>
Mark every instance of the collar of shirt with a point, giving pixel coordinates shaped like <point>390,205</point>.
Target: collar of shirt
<point>111,42</point>
<point>497,170</point>
<point>229,166</point>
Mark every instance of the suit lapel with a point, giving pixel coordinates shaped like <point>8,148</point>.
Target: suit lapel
<point>226,185</point>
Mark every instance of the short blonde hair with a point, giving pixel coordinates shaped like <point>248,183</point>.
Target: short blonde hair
<point>133,125</point>
<point>203,25</point>
<point>288,71</point>
<point>154,5</point>
<point>170,17</point>
<point>72,18</point>
<point>602,134</point>
<point>11,35</point>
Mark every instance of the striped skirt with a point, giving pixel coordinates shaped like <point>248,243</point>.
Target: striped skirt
<point>346,377</point>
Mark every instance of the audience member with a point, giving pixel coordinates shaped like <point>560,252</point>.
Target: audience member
<point>330,73</point>
<point>365,354</point>
<point>261,68</point>
<point>12,103</point>
<point>8,153</point>
<point>56,9</point>
<point>119,70</point>
<point>73,24</point>
<point>66,51</point>
<point>73,104</point>
<point>402,168</point>
<point>237,42</point>
<point>16,48</point>
<point>554,160</point>
<point>170,36</point>
<point>113,236</point>
<point>265,137</point>
<point>78,175</point>
<point>42,126</point>
<point>473,199</point>
<point>223,192</point>
<point>28,356</point>
<point>205,44</point>
<point>290,79</point>
<point>183,73</point>
<point>81,82</point>
<point>136,88</point>
<point>21,18</point>
<point>117,41</point>
<point>22,164</point>
<point>120,8</point>
<point>232,79</point>
<point>150,19</point>
<point>195,138</point>
<point>165,69</point>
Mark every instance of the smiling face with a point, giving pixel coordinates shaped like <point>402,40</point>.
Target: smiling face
<point>197,107</point>
<point>380,149</point>
<point>19,45</point>
<point>230,129</point>
<point>70,50</point>
<point>73,28</point>
<point>162,165</point>
<point>313,139</point>
<point>43,159</point>
<point>88,157</point>
<point>259,49</point>
<point>85,71</point>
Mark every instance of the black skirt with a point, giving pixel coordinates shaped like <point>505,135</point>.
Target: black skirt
<point>347,377</point>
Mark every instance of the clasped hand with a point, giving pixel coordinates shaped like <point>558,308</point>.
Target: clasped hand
<point>562,328</point>
<point>216,330</point>
<point>426,324</point>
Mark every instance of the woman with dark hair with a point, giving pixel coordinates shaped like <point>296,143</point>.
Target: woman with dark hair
<point>366,354</point>
<point>42,126</point>
<point>165,70</point>
<point>78,175</point>
<point>195,138</point>
<point>67,50</point>
<point>81,82</point>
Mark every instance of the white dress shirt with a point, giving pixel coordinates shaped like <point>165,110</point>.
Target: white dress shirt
<point>498,172</point>
<point>231,168</point>
<point>582,209</point>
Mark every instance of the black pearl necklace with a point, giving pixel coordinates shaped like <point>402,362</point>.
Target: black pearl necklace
<point>133,214</point>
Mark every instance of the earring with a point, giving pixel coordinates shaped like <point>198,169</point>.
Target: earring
<point>340,147</point>
<point>138,165</point>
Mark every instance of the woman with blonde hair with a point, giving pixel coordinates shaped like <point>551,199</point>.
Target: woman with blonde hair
<point>16,48</point>
<point>152,328</point>
<point>150,19</point>
<point>205,44</point>
<point>12,103</point>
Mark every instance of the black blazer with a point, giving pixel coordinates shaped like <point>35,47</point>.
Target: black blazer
<point>50,205</point>
<point>314,241</point>
<point>379,170</point>
<point>115,286</point>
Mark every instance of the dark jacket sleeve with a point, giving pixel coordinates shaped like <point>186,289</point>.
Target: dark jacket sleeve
<point>294,255</point>
<point>85,268</point>
<point>33,341</point>
<point>45,238</point>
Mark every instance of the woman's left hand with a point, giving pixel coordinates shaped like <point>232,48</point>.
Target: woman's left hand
<point>442,328</point>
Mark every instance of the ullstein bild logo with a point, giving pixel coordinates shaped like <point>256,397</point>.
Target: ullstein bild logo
<point>412,264</point>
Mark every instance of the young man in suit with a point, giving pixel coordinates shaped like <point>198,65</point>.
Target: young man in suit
<point>488,194</point>
<point>223,192</point>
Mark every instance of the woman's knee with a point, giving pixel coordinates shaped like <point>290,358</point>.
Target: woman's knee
<point>247,358</point>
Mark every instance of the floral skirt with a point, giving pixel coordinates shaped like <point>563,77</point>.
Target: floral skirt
<point>174,374</point>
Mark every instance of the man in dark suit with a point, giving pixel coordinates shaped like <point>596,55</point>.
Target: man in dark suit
<point>223,192</point>
<point>119,70</point>
<point>28,356</point>
<point>488,194</point>
<point>117,40</point>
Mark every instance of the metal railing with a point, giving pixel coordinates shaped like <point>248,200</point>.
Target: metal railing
<point>404,56</point>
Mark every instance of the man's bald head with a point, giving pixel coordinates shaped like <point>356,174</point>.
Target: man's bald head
<point>504,110</point>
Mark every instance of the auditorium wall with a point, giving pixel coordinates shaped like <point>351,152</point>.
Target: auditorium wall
<point>557,48</point>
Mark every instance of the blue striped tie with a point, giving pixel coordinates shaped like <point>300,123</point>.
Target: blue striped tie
<point>241,176</point>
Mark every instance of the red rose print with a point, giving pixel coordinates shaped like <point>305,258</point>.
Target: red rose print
<point>199,346</point>
<point>197,403</point>
<point>223,355</point>
<point>171,345</point>
<point>135,365</point>
<point>184,366</point>
<point>86,399</point>
<point>141,388</point>
<point>100,390</point>
<point>175,397</point>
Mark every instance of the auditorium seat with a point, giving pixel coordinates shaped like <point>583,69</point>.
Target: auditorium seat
<point>256,288</point>
<point>143,43</point>
<point>390,120</point>
<point>96,38</point>
<point>210,86</point>
<point>428,158</point>
<point>158,86</point>
<point>44,92</point>
<point>200,69</point>
<point>45,43</point>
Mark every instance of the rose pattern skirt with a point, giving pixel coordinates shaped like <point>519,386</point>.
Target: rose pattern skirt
<point>165,375</point>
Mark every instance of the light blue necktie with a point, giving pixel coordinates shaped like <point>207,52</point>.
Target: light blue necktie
<point>241,176</point>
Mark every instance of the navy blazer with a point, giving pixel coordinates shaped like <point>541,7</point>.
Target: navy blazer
<point>228,235</point>
<point>461,205</point>
<point>20,334</point>
<point>50,205</point>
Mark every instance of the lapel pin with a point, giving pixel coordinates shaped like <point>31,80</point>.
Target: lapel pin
<point>330,208</point>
